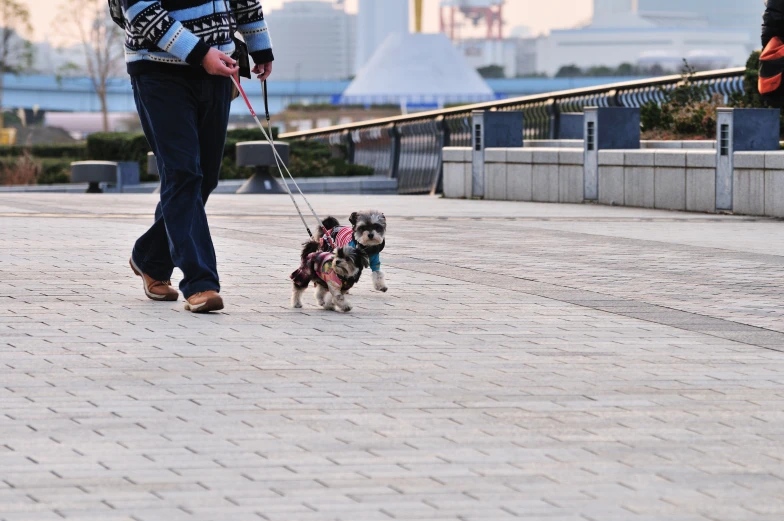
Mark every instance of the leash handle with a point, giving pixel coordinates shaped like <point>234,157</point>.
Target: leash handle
<point>266,99</point>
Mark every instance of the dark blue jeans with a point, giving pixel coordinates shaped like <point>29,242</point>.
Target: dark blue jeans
<point>185,123</point>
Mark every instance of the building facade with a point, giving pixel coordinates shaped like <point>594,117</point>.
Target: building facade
<point>715,14</point>
<point>709,34</point>
<point>313,41</point>
<point>646,47</point>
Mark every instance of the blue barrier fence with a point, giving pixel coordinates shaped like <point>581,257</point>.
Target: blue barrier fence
<point>409,147</point>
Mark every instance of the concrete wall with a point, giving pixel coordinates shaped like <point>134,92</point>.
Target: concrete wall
<point>457,172</point>
<point>758,183</point>
<point>644,144</point>
<point>667,179</point>
<point>534,174</point>
<point>518,174</point>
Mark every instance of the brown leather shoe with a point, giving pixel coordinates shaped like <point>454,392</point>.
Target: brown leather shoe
<point>160,290</point>
<point>204,302</point>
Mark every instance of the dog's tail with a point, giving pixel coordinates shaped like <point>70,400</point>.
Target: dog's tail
<point>330,222</point>
<point>310,247</point>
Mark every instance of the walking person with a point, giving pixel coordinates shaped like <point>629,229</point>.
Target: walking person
<point>178,54</point>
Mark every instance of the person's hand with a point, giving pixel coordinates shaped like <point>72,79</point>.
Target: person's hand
<point>219,64</point>
<point>263,70</point>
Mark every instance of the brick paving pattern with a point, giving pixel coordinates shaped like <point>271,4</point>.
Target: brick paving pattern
<point>535,362</point>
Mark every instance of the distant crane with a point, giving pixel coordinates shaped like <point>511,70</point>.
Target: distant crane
<point>489,12</point>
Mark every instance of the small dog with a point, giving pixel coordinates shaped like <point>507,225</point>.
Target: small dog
<point>368,229</point>
<point>333,273</point>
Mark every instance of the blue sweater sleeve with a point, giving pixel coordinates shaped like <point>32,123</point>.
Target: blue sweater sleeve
<point>251,23</point>
<point>151,21</point>
<point>375,262</point>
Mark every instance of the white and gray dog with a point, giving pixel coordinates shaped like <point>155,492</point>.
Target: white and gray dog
<point>368,230</point>
<point>334,273</point>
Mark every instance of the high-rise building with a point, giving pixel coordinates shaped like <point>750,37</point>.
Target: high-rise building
<point>377,19</point>
<point>313,40</point>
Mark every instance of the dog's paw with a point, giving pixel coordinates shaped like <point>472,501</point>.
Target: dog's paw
<point>379,283</point>
<point>297,305</point>
<point>346,308</point>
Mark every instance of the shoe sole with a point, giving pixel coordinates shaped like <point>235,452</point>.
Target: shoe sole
<point>208,306</point>
<point>151,296</point>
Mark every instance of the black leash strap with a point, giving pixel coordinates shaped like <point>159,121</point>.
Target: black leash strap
<point>266,100</point>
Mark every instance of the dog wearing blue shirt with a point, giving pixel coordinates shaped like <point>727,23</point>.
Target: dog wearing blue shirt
<point>368,230</point>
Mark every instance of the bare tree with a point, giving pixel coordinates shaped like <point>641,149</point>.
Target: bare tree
<point>16,53</point>
<point>102,45</point>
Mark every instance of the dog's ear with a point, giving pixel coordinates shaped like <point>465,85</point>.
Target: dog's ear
<point>353,219</point>
<point>330,222</point>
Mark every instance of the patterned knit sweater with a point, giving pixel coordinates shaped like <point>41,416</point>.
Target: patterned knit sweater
<point>173,36</point>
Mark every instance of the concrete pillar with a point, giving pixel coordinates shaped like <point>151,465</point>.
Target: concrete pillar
<point>492,130</point>
<point>741,130</point>
<point>607,128</point>
<point>259,155</point>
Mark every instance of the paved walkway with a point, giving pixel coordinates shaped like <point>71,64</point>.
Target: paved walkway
<point>540,362</point>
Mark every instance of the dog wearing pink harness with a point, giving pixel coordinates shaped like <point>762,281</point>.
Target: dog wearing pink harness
<point>333,273</point>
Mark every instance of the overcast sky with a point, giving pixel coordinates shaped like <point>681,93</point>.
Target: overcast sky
<point>539,15</point>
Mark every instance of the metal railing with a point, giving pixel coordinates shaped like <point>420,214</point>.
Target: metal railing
<point>409,147</point>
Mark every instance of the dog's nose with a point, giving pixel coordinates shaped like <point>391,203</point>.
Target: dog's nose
<point>370,236</point>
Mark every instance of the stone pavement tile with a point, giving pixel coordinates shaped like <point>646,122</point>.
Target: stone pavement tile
<point>466,388</point>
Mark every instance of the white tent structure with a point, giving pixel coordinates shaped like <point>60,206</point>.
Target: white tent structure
<point>417,71</point>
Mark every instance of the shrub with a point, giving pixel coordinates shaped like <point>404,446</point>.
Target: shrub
<point>120,146</point>
<point>55,171</point>
<point>52,163</point>
<point>18,171</point>
<point>249,134</point>
<point>230,170</point>
<point>687,111</point>
<point>117,146</point>
<point>27,169</point>
<point>316,159</point>
<point>77,150</point>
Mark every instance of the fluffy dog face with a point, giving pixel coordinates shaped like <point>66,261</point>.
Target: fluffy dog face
<point>349,262</point>
<point>370,227</point>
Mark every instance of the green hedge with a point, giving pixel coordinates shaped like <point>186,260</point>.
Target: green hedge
<point>249,134</point>
<point>308,158</point>
<point>315,159</point>
<point>48,170</point>
<point>76,150</point>
<point>120,146</point>
<point>55,170</point>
